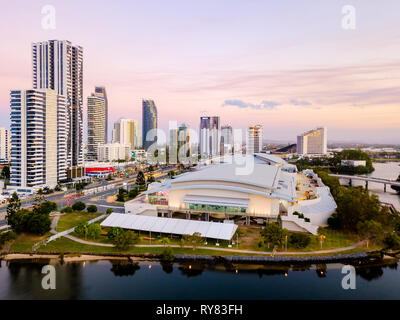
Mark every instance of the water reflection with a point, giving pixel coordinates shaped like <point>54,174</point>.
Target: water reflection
<point>135,280</point>
<point>123,269</point>
<point>370,273</point>
<point>191,270</point>
<point>167,267</point>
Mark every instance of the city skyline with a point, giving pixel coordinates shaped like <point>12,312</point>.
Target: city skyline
<point>301,69</point>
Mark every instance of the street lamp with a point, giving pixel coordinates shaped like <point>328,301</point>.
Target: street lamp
<point>322,238</point>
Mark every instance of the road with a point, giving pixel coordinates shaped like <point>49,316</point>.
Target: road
<point>61,198</point>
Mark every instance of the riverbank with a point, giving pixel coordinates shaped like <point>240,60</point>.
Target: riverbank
<point>357,257</point>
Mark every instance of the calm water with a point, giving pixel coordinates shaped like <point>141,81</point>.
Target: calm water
<point>389,170</point>
<point>122,280</point>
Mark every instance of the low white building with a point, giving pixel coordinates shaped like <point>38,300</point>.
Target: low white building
<point>113,152</point>
<point>353,163</point>
<point>253,189</point>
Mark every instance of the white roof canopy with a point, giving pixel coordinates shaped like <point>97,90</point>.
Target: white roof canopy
<point>213,230</point>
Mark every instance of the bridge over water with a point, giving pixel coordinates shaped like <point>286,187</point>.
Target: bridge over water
<point>385,182</point>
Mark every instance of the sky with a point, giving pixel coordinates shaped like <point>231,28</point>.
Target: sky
<point>287,65</point>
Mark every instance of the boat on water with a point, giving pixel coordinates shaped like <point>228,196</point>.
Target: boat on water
<point>396,188</point>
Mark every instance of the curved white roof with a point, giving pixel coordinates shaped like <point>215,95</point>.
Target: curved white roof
<point>258,175</point>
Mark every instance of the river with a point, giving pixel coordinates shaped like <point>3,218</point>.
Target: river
<point>151,280</point>
<point>388,170</point>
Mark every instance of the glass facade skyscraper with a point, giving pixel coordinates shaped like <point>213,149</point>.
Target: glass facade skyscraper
<point>149,120</point>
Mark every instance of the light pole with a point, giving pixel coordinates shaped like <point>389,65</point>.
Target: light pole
<point>285,243</point>
<point>322,238</point>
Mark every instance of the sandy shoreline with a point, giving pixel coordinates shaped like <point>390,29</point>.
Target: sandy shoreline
<point>67,258</point>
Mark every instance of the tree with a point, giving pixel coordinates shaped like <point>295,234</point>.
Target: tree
<point>151,179</point>
<point>113,232</point>
<point>5,173</point>
<point>124,240</point>
<point>78,206</point>
<point>46,207</point>
<point>370,230</point>
<point>121,195</point>
<point>356,205</point>
<point>299,240</point>
<point>140,179</point>
<point>133,193</point>
<point>19,220</point>
<point>14,204</point>
<point>171,174</point>
<point>193,240</point>
<point>92,208</point>
<point>392,241</point>
<point>167,255</point>
<point>82,229</point>
<point>39,223</point>
<point>67,209</point>
<point>165,241</point>
<point>273,234</point>
<point>94,230</point>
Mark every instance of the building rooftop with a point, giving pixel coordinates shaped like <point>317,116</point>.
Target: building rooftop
<point>253,173</point>
<point>213,230</point>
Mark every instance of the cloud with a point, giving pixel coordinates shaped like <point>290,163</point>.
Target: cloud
<point>296,102</point>
<point>265,104</point>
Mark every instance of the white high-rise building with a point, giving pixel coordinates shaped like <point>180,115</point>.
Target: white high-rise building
<point>181,145</point>
<point>38,139</point>
<point>313,142</point>
<point>116,133</point>
<point>210,135</point>
<point>97,109</point>
<point>226,140</point>
<point>58,65</point>
<point>254,139</point>
<point>127,131</point>
<point>114,152</point>
<point>5,145</point>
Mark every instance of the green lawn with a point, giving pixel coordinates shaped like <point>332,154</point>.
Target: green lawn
<point>25,241</point>
<point>70,220</point>
<point>66,245</point>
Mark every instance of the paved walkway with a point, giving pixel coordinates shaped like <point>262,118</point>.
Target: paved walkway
<point>54,223</point>
<point>225,249</point>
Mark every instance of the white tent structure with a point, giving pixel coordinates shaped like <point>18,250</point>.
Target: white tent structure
<point>212,230</point>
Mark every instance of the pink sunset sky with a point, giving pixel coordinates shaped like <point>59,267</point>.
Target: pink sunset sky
<point>288,65</point>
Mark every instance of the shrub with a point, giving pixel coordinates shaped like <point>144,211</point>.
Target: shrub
<point>110,210</point>
<point>114,232</point>
<point>124,240</point>
<point>307,219</point>
<point>39,223</point>
<point>46,207</point>
<point>94,230</point>
<point>167,255</point>
<point>82,229</point>
<point>133,193</point>
<point>301,216</point>
<point>30,221</point>
<point>272,234</point>
<point>78,206</point>
<point>67,209</point>
<point>392,241</point>
<point>92,208</point>
<point>296,213</point>
<point>299,240</point>
<point>334,222</point>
